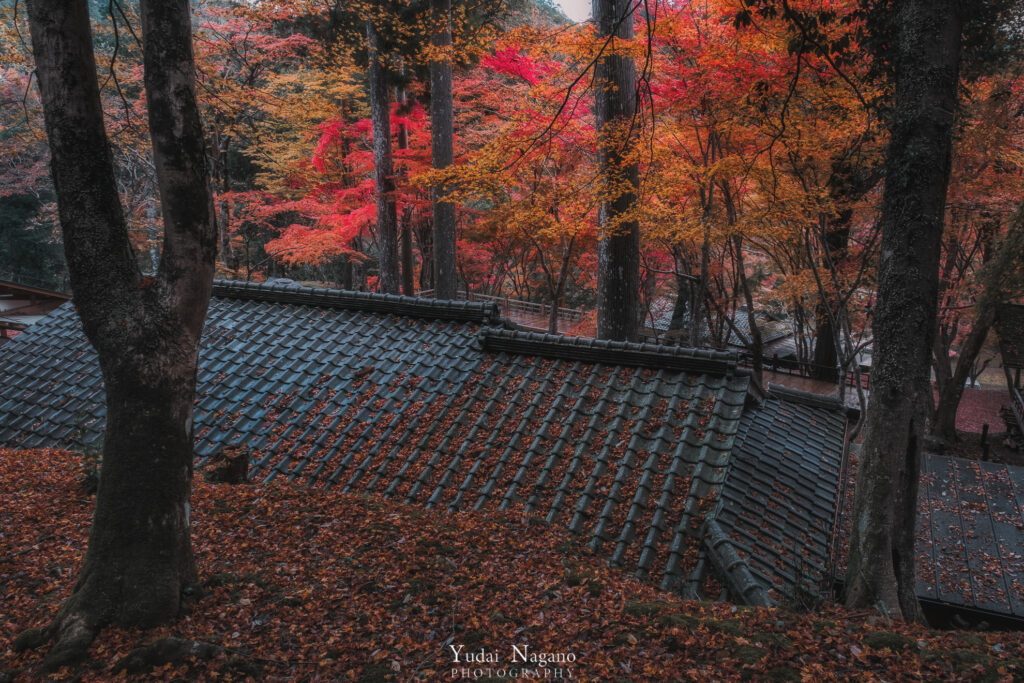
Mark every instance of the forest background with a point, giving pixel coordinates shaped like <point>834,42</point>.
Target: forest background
<point>760,132</point>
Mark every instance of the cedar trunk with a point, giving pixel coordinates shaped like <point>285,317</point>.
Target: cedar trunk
<point>442,149</point>
<point>618,251</point>
<point>880,571</point>
<point>383,171</point>
<point>408,265</point>
<point>145,330</point>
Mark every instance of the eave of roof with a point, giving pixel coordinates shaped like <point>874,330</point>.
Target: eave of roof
<point>604,351</point>
<point>463,311</point>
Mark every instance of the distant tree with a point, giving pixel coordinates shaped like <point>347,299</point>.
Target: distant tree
<point>383,164</point>
<point>145,330</point>
<point>615,101</point>
<point>618,275</point>
<point>441,133</point>
<point>880,570</point>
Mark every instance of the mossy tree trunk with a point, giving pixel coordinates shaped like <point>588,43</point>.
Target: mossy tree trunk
<point>618,251</point>
<point>383,165</point>
<point>442,150</point>
<point>145,330</point>
<point>880,570</point>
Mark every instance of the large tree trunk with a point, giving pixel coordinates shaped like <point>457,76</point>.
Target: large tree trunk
<point>442,150</point>
<point>145,330</point>
<point>383,171</point>
<point>880,570</point>
<point>618,251</point>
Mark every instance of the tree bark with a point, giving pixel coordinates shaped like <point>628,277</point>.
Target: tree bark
<point>383,169</point>
<point>408,265</point>
<point>618,250</point>
<point>145,330</point>
<point>756,343</point>
<point>826,353</point>
<point>880,570</point>
<point>442,149</point>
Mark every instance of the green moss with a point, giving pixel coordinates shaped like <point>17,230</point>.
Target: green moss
<point>378,671</point>
<point>680,620</point>
<point>732,628</point>
<point>638,608</point>
<point>749,654</point>
<point>973,639</point>
<point>770,639</point>
<point>968,659</point>
<point>883,640</point>
<point>782,673</point>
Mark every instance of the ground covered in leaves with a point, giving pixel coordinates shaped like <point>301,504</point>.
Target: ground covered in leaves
<point>307,584</point>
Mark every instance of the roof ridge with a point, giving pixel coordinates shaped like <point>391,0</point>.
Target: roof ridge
<point>808,398</point>
<point>416,307</point>
<point>609,352</point>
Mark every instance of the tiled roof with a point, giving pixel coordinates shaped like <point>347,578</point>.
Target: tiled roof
<point>436,403</point>
<point>779,501</point>
<point>970,535</point>
<point>658,456</point>
<point>970,538</point>
<point>662,308</point>
<point>1010,325</point>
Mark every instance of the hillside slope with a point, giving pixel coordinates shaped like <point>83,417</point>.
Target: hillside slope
<point>302,584</point>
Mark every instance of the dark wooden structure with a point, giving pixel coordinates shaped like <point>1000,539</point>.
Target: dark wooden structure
<point>22,305</point>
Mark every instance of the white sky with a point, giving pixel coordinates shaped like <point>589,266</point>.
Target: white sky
<point>577,10</point>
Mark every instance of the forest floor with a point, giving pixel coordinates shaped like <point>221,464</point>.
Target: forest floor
<point>307,584</point>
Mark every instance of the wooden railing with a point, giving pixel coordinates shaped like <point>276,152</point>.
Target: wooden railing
<point>805,369</point>
<point>19,277</point>
<point>529,314</point>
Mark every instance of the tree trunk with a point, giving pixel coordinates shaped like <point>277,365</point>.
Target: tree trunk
<point>145,330</point>
<point>227,255</point>
<point>383,171</point>
<point>442,150</point>
<point>698,320</point>
<point>756,343</point>
<point>826,354</point>
<point>424,233</point>
<point>880,571</point>
<point>681,307</point>
<point>618,250</point>
<point>1000,279</point>
<point>408,282</point>
<point>558,290</point>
